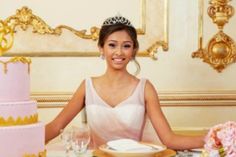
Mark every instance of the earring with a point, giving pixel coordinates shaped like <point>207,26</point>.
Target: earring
<point>102,56</point>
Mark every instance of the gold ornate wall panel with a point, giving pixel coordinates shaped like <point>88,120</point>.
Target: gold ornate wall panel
<point>35,34</point>
<point>220,50</point>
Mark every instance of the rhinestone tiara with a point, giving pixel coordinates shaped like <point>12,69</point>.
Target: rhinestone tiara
<point>117,20</point>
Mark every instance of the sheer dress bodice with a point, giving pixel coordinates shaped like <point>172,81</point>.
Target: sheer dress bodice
<point>125,120</point>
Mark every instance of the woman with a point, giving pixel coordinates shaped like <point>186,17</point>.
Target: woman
<point>117,102</point>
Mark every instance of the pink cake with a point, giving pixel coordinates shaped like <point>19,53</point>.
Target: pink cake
<point>21,134</point>
<point>14,79</point>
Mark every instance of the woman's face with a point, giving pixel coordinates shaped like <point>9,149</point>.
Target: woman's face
<point>118,50</point>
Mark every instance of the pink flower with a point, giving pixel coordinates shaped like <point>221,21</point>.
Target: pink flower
<point>222,137</point>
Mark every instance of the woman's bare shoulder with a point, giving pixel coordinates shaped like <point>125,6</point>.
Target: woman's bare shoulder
<point>81,88</point>
<point>92,78</point>
<point>150,90</point>
<point>149,85</point>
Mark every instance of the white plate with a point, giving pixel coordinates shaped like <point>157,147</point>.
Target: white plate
<point>138,153</point>
<point>198,150</point>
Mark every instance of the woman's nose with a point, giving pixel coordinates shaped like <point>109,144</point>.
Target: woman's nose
<point>118,51</point>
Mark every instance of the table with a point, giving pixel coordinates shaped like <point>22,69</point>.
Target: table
<point>52,153</point>
<point>57,150</point>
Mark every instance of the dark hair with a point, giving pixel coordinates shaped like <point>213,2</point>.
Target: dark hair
<point>107,30</point>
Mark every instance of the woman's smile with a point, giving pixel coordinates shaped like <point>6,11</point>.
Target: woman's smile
<point>118,60</point>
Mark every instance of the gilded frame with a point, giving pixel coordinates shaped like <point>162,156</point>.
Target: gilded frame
<point>44,28</point>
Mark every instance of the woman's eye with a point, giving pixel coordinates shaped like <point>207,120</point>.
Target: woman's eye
<point>127,46</point>
<point>111,45</point>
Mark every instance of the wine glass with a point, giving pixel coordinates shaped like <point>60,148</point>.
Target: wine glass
<point>80,139</point>
<point>66,137</point>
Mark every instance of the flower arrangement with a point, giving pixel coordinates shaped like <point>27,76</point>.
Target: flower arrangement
<point>221,140</point>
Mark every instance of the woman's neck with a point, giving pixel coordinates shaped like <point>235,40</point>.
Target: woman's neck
<point>117,76</point>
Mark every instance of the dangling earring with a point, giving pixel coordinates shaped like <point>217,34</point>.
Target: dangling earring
<point>102,56</point>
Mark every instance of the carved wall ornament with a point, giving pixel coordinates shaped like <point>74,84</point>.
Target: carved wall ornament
<point>220,12</point>
<point>221,49</point>
<point>6,37</point>
<point>24,18</point>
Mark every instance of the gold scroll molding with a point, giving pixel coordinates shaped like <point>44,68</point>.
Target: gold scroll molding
<point>167,99</point>
<point>221,49</point>
<point>25,18</point>
<point>6,37</point>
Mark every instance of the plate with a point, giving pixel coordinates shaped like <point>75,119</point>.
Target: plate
<point>197,150</point>
<point>135,153</point>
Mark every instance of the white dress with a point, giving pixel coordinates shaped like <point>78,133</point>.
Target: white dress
<point>125,120</point>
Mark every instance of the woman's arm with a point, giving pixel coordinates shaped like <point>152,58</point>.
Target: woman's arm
<point>74,106</point>
<point>161,126</point>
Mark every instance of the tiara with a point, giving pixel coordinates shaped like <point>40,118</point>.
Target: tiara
<point>117,20</point>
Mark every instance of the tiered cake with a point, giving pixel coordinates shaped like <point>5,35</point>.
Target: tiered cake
<point>21,135</point>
